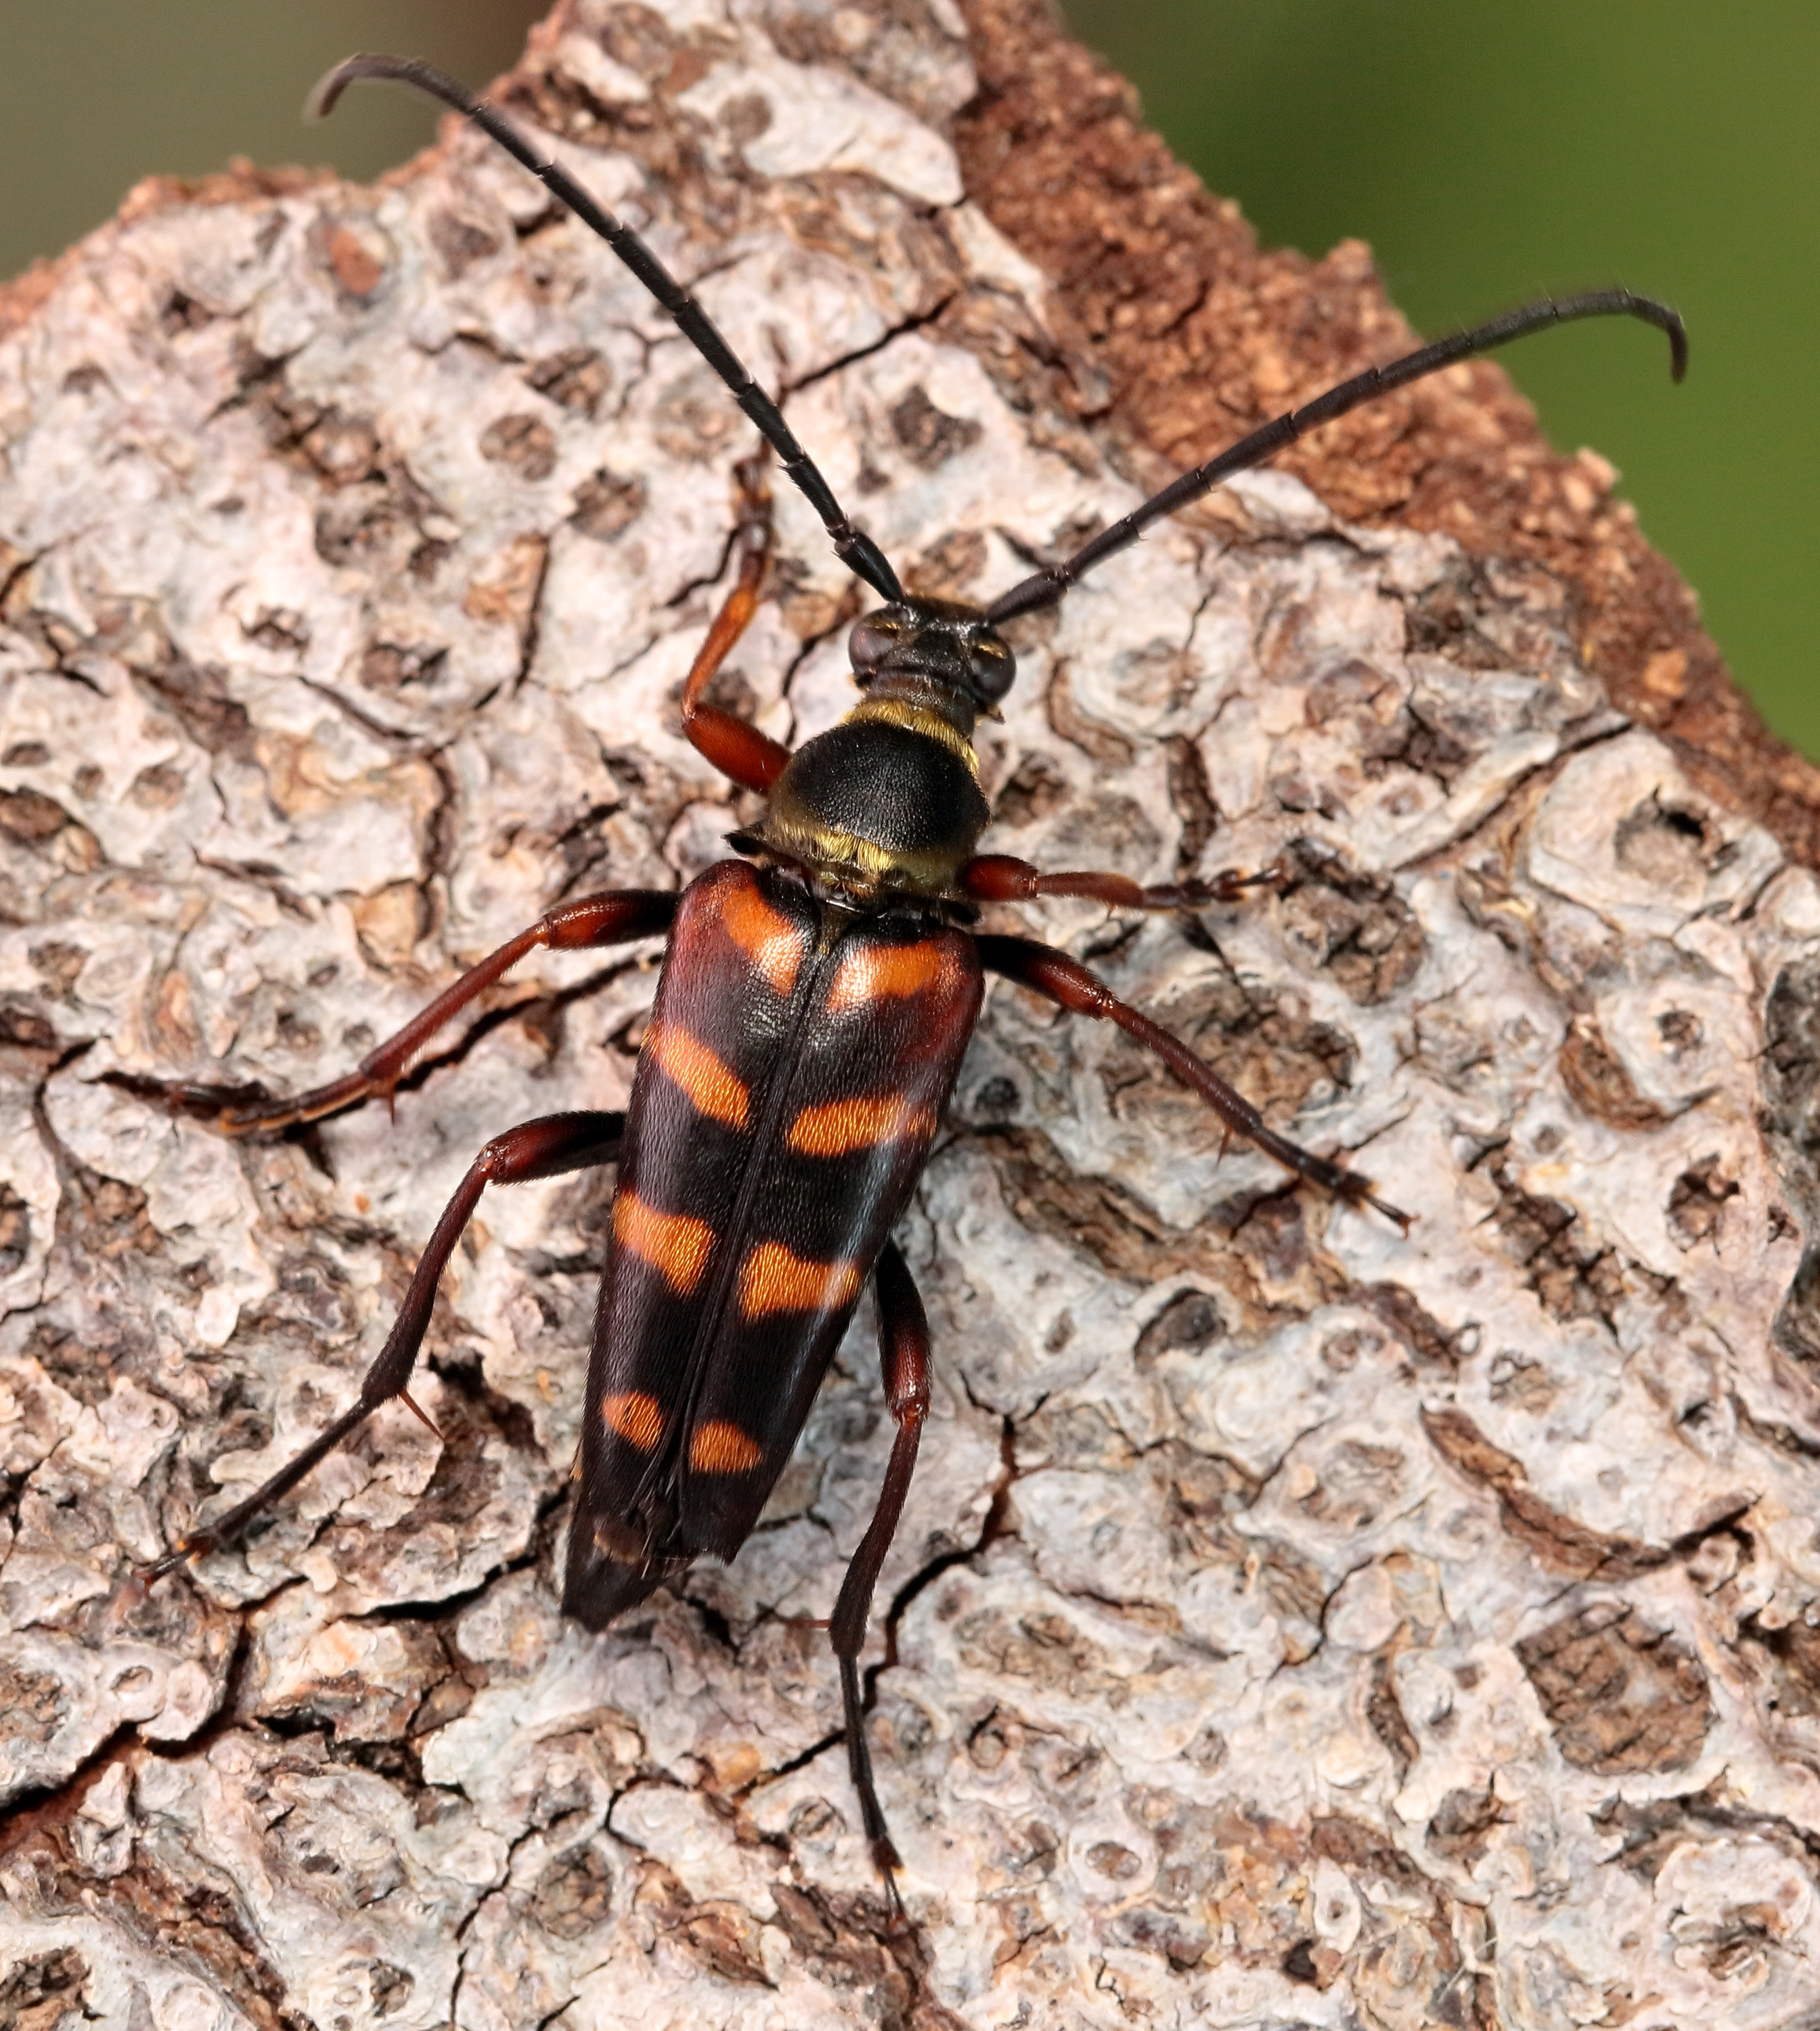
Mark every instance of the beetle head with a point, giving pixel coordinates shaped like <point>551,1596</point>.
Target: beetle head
<point>938,641</point>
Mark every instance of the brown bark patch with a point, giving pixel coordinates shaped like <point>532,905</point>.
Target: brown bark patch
<point>1560,1541</point>
<point>1599,1082</point>
<point>45,1993</point>
<point>1353,926</point>
<point>1461,1826</point>
<point>1619,1695</point>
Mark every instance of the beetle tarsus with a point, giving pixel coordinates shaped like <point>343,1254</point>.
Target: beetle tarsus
<point>418,1411</point>
<point>149,1572</point>
<point>1405,1221</point>
<point>885,1859</point>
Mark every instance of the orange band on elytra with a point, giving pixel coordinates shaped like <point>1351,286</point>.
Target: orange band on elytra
<point>769,939</point>
<point>720,1448</point>
<point>774,1278</point>
<point>674,1244</point>
<point>634,1414</point>
<point>859,1122</point>
<point>705,1078</point>
<point>879,973</point>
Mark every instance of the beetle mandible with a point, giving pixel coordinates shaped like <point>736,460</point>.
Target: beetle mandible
<point>816,998</point>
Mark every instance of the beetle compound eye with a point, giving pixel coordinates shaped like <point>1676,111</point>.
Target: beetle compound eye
<point>991,666</point>
<point>873,637</point>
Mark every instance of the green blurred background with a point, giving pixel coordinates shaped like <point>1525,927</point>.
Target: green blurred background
<point>1488,155</point>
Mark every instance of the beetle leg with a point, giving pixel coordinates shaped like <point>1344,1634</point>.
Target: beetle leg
<point>615,918</point>
<point>1067,983</point>
<point>736,748</point>
<point>999,877</point>
<point>903,1347</point>
<point>545,1148</point>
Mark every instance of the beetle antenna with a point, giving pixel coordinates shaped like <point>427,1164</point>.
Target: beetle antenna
<point>1044,588</point>
<point>857,551</point>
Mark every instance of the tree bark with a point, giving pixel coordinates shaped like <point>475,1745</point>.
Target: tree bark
<point>1292,1622</point>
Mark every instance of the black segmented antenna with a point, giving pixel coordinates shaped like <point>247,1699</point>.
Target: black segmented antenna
<point>1043,588</point>
<point>858,552</point>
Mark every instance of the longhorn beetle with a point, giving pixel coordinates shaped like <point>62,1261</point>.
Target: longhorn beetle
<point>815,1000</point>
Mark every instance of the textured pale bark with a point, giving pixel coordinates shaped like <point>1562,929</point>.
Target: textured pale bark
<point>1292,1623</point>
